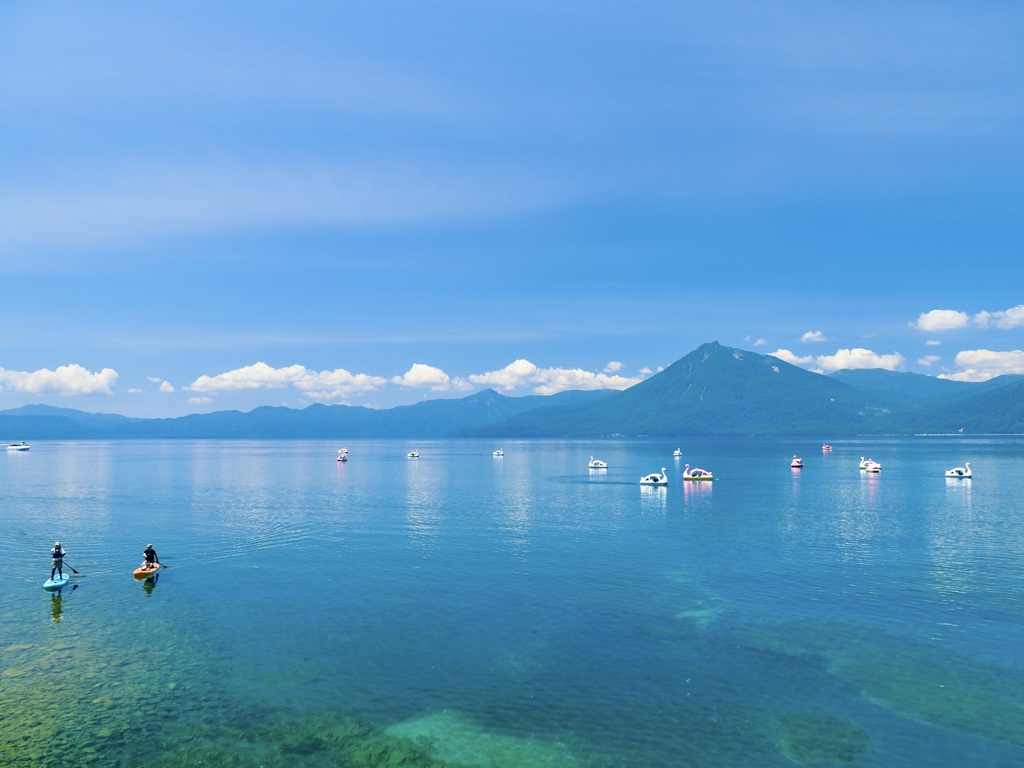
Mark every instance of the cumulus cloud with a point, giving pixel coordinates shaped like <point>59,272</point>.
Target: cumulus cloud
<point>613,367</point>
<point>422,375</point>
<point>1010,318</point>
<point>844,359</point>
<point>984,364</point>
<point>950,319</point>
<point>548,381</point>
<point>520,373</point>
<point>165,386</point>
<point>314,385</point>
<point>859,358</point>
<point>941,320</point>
<point>813,336</point>
<point>66,380</point>
<point>789,357</point>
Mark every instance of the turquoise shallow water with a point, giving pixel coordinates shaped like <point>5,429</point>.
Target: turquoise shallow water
<point>462,609</point>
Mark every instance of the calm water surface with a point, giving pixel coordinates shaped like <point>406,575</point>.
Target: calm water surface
<point>468,610</point>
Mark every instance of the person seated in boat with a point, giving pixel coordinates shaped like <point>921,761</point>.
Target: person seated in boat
<point>57,560</point>
<point>150,560</point>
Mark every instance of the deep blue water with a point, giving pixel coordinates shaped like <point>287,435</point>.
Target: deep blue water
<point>464,609</point>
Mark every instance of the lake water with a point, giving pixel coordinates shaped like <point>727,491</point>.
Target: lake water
<point>462,609</point>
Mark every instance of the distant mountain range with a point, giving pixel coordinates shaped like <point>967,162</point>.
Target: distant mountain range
<point>714,390</point>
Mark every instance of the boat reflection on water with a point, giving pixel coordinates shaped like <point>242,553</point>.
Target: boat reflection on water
<point>696,491</point>
<point>653,499</point>
<point>57,602</point>
<point>149,584</point>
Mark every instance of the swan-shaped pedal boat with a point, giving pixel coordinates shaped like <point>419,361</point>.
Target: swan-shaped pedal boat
<point>964,471</point>
<point>696,473</point>
<point>655,479</point>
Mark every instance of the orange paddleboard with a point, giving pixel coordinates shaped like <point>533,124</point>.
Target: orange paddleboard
<point>144,571</point>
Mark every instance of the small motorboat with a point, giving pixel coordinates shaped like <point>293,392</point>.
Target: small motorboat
<point>797,463</point>
<point>343,454</point>
<point>826,448</point>
<point>677,452</point>
<point>655,479</point>
<point>598,464</point>
<point>696,474</point>
<point>964,472</point>
<point>499,452</point>
<point>20,446</point>
<point>871,466</point>
<point>412,455</point>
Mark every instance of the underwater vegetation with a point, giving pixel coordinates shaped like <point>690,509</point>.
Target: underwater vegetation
<point>323,739</point>
<point>810,738</point>
<point>912,679</point>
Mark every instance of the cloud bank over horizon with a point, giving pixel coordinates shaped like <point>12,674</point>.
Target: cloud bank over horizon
<point>340,386</point>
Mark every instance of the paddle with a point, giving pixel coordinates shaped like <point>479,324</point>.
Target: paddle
<point>72,569</point>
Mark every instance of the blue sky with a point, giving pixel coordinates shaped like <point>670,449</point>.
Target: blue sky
<point>224,205</point>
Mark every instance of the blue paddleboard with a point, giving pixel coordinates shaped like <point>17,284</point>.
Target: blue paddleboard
<point>57,582</point>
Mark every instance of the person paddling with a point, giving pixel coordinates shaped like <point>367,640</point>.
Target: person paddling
<point>150,560</point>
<point>57,560</point>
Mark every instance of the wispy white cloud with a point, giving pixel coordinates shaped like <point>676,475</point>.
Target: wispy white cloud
<point>422,375</point>
<point>179,198</point>
<point>199,400</point>
<point>613,367</point>
<point>844,359</point>
<point>933,343</point>
<point>314,385</point>
<point>67,380</point>
<point>813,337</point>
<point>984,364</point>
<point>929,360</point>
<point>548,381</point>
